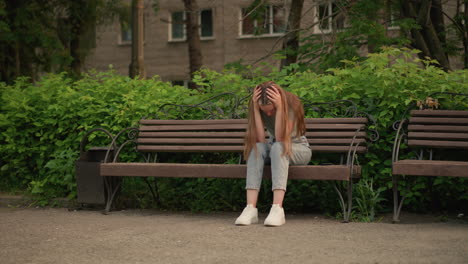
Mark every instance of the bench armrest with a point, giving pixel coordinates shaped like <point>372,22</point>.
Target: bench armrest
<point>401,133</point>
<point>85,141</point>
<point>131,133</point>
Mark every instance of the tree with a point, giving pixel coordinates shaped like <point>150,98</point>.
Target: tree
<point>28,43</point>
<point>291,39</point>
<point>359,24</point>
<point>39,36</point>
<point>137,66</point>
<point>428,32</point>
<point>193,38</point>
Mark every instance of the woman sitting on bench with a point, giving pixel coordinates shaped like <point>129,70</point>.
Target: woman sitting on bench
<point>282,114</point>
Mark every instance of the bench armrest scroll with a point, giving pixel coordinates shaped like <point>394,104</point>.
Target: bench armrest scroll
<point>85,141</point>
<point>400,134</point>
<point>131,133</point>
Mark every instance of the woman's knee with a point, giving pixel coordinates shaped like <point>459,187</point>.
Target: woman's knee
<point>277,149</point>
<point>261,147</point>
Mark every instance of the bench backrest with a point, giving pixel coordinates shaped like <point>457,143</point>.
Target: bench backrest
<point>438,129</point>
<point>227,135</point>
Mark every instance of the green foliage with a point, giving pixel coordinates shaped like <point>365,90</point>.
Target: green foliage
<point>368,199</point>
<point>50,36</point>
<point>41,126</point>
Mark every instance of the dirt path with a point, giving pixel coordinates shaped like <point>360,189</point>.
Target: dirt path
<point>60,236</point>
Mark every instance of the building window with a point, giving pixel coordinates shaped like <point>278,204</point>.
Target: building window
<point>178,26</point>
<point>329,17</point>
<point>125,31</point>
<point>178,29</point>
<point>206,23</point>
<point>392,18</point>
<point>180,83</point>
<point>270,20</point>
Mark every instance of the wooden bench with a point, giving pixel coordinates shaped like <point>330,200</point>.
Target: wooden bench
<point>344,137</point>
<point>427,133</point>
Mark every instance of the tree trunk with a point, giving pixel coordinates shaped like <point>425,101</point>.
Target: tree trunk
<point>465,36</point>
<point>437,18</point>
<point>193,38</point>
<point>291,39</point>
<point>81,24</point>
<point>426,39</point>
<point>77,30</point>
<point>137,66</point>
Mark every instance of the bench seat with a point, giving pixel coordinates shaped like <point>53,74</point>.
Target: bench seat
<point>431,168</point>
<point>186,170</point>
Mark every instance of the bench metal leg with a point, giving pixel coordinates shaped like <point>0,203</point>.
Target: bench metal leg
<point>112,186</point>
<point>346,207</point>
<point>397,205</point>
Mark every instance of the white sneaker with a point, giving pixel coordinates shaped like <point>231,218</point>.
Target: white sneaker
<point>249,216</point>
<point>276,216</point>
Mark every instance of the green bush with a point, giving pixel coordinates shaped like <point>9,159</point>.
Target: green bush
<point>42,124</point>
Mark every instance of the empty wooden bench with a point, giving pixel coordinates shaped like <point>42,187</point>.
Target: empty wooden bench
<point>427,133</point>
<point>344,137</point>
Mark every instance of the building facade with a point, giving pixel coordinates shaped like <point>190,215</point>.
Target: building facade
<point>228,33</point>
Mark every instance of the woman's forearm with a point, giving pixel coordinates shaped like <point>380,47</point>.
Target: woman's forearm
<point>259,129</point>
<point>279,126</point>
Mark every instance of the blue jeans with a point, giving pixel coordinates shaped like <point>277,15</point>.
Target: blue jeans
<point>301,155</point>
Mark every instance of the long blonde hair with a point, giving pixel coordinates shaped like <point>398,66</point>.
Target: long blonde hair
<point>288,100</point>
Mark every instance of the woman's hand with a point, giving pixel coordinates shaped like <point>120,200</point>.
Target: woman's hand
<point>275,97</point>
<point>256,97</point>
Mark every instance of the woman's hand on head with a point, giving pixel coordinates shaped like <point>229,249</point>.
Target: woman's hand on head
<point>256,96</point>
<point>274,96</point>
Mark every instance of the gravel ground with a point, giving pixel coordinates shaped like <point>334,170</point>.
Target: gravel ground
<point>31,235</point>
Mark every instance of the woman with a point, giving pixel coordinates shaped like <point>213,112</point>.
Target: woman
<point>282,114</point>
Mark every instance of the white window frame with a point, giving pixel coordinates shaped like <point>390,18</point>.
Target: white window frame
<point>184,30</point>
<point>120,40</point>
<point>391,18</point>
<point>317,29</point>
<point>212,25</point>
<point>270,24</point>
<point>184,17</point>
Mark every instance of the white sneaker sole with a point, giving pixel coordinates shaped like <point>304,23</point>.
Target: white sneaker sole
<point>254,221</point>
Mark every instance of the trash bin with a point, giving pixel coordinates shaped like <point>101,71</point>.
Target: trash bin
<point>90,184</point>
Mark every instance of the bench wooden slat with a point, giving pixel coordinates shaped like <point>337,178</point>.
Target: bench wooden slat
<point>438,120</point>
<point>234,148</point>
<point>360,134</point>
<point>335,141</point>
<point>185,170</point>
<point>352,120</point>
<point>169,148</point>
<point>192,122</point>
<point>447,113</point>
<point>233,134</point>
<point>352,127</point>
<point>191,141</point>
<point>437,128</point>
<point>342,149</point>
<point>319,141</point>
<point>243,127</point>
<point>430,168</point>
<point>194,127</point>
<point>438,143</point>
<point>448,136</point>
